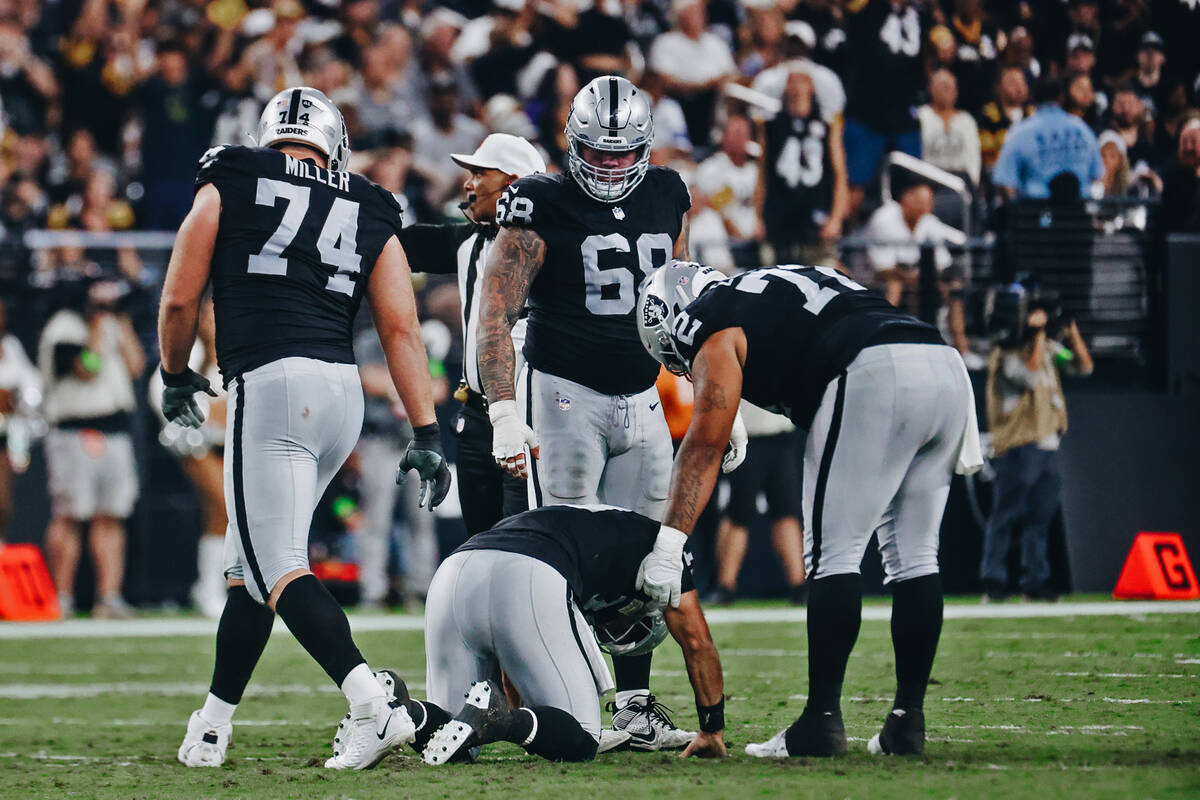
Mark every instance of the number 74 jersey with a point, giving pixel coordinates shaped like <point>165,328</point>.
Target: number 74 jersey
<point>803,326</point>
<point>581,304</point>
<point>294,250</point>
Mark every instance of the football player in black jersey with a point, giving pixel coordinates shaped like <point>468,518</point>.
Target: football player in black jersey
<point>574,248</point>
<point>291,243</point>
<point>891,416</point>
<point>578,564</point>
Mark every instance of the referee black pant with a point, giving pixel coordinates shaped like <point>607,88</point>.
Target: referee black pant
<point>487,493</point>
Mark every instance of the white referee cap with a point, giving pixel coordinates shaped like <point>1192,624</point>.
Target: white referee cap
<point>510,154</point>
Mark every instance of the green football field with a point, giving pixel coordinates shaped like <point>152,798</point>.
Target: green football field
<point>1083,703</point>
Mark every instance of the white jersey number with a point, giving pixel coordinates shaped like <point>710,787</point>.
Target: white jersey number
<point>337,243</point>
<point>801,161</point>
<point>597,279</point>
<point>816,296</point>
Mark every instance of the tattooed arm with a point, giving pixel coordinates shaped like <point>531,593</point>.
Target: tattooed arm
<point>513,263</point>
<point>717,372</point>
<point>681,241</point>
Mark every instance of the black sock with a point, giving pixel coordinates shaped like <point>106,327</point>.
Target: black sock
<point>632,672</point>
<point>916,627</point>
<point>242,634</point>
<point>320,625</point>
<point>834,617</point>
<point>427,718</point>
<point>558,736</point>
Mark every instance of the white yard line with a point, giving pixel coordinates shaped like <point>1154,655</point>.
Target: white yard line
<point>366,623</point>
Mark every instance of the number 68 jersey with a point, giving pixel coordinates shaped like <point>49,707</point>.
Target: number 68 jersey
<point>295,247</point>
<point>581,303</point>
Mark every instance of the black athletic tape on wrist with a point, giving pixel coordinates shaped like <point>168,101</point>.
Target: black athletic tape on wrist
<point>712,718</point>
<point>176,379</point>
<point>426,435</point>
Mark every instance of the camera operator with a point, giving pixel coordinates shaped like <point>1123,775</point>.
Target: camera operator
<point>1027,416</point>
<point>88,356</point>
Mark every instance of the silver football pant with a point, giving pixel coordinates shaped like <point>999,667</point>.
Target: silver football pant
<point>879,459</point>
<point>596,448</point>
<point>293,422</point>
<point>488,611</point>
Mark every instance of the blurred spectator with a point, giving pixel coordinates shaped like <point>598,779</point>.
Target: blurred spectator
<point>27,83</point>
<point>382,96</point>
<point>498,46</point>
<point>272,60</point>
<point>550,108</point>
<point>1019,53</point>
<point>178,115</point>
<point>439,32</point>
<point>1118,179</point>
<point>1050,143</point>
<point>445,131</point>
<point>20,392</point>
<point>766,33</point>
<point>1129,120</point>
<point>1150,82</point>
<point>1027,417</point>
<point>592,37</point>
<point>767,477</point>
<point>978,45</point>
<point>896,233</point>
<point>799,42</point>
<point>708,238</point>
<point>949,137</point>
<point>729,178</point>
<point>998,116</point>
<point>693,64</point>
<point>89,356</point>
<point>884,78</point>
<point>671,141</point>
<point>802,196</point>
<point>1180,211</point>
<point>1081,99</point>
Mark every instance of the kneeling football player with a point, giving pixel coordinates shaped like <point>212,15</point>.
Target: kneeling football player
<point>519,598</point>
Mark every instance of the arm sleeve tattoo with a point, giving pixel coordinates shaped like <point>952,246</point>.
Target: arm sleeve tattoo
<point>512,265</point>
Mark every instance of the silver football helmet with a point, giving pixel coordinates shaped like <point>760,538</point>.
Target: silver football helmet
<point>663,294</point>
<point>306,116</point>
<point>633,629</point>
<point>612,116</point>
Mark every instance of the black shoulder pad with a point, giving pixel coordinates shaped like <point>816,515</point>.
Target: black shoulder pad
<point>389,207</point>
<point>528,202</point>
<point>219,161</point>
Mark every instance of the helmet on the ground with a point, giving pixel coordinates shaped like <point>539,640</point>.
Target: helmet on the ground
<point>609,115</point>
<point>632,629</point>
<point>664,293</point>
<point>306,116</point>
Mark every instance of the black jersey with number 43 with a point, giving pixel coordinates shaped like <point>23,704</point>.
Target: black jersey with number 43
<point>581,304</point>
<point>295,247</point>
<point>803,326</point>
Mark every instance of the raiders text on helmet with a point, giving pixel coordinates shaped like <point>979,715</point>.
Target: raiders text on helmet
<point>666,292</point>
<point>609,115</point>
<point>306,116</point>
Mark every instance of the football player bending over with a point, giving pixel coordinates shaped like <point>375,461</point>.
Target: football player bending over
<point>575,566</point>
<point>291,242</point>
<point>890,413</point>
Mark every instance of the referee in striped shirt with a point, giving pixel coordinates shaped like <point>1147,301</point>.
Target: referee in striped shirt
<point>487,494</point>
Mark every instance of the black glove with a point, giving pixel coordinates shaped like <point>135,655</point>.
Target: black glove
<point>424,454</point>
<point>178,403</point>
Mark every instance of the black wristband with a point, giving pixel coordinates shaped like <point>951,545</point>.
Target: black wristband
<point>426,437</point>
<point>176,379</point>
<point>712,718</point>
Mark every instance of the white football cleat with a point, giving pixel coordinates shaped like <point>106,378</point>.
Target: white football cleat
<point>393,686</point>
<point>612,740</point>
<point>373,731</point>
<point>775,747</point>
<point>205,744</point>
<point>648,725</point>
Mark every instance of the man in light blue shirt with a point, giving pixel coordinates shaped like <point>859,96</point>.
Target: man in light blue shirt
<point>1046,145</point>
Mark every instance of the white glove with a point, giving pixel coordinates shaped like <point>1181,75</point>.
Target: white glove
<point>510,436</point>
<point>660,575</point>
<point>735,454</point>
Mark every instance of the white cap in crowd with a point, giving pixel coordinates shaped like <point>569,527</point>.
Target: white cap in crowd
<point>510,154</point>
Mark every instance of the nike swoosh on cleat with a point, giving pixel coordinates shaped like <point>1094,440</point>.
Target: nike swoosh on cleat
<point>383,733</point>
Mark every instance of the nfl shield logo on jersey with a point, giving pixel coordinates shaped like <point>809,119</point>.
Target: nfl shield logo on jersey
<point>564,402</point>
<point>618,212</point>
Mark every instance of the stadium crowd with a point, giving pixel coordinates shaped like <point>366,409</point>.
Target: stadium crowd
<point>778,113</point>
